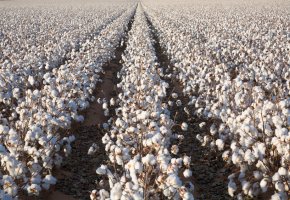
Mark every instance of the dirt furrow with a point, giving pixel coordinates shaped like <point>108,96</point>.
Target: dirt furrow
<point>209,172</point>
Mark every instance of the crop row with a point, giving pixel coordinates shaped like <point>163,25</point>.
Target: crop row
<point>143,162</point>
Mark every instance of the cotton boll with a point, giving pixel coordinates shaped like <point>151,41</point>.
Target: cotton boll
<point>163,130</point>
<point>105,126</point>
<point>174,149</point>
<point>116,191</point>
<point>258,175</point>
<point>105,106</point>
<point>157,138</point>
<point>186,160</point>
<point>278,122</point>
<point>34,189</point>
<point>71,138</point>
<point>93,149</point>
<point>220,144</point>
<point>282,171</point>
<point>112,102</point>
<point>178,103</point>
<point>199,138</point>
<point>246,186</point>
<point>170,103</point>
<point>276,177</point>
<point>232,187</point>
<point>185,194</point>
<point>225,155</point>
<point>166,192</point>
<point>149,159</point>
<point>102,170</point>
<point>138,167</point>
<point>149,99</point>
<point>174,180</point>
<point>202,124</point>
<point>49,179</point>
<point>249,157</point>
<point>263,185</point>
<point>93,195</point>
<point>174,95</point>
<point>31,80</point>
<point>107,112</point>
<point>4,129</point>
<point>279,186</point>
<point>279,196</point>
<point>16,93</point>
<point>9,185</point>
<point>184,126</point>
<point>213,129</point>
<point>187,173</point>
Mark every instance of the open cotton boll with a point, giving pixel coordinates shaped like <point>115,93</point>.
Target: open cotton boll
<point>213,129</point>
<point>49,179</point>
<point>112,102</point>
<point>246,186</point>
<point>202,124</point>
<point>4,129</point>
<point>116,192</point>
<point>170,103</point>
<point>187,173</point>
<point>178,103</point>
<point>105,106</point>
<point>149,99</point>
<point>149,159</point>
<point>276,177</point>
<point>34,189</point>
<point>258,175</point>
<point>283,171</point>
<point>93,149</point>
<point>264,185</point>
<point>278,122</point>
<point>31,80</point>
<point>93,195</point>
<point>173,180</point>
<point>279,186</point>
<point>232,187</point>
<point>174,149</point>
<point>279,196</point>
<point>102,170</point>
<point>184,126</point>
<point>220,144</point>
<point>187,196</point>
<point>143,115</point>
<point>249,157</point>
<point>174,95</point>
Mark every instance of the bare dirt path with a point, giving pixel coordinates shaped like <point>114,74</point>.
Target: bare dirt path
<point>209,173</point>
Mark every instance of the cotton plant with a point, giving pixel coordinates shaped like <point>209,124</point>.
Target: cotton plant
<point>138,143</point>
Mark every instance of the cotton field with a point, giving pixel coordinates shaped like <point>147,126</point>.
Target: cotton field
<point>145,99</point>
